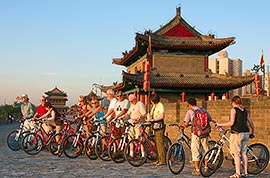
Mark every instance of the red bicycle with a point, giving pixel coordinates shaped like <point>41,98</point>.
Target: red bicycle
<point>103,144</point>
<point>73,144</point>
<point>33,143</point>
<point>56,140</point>
<point>144,142</point>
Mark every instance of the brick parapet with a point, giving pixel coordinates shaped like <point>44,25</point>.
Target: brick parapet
<point>258,108</point>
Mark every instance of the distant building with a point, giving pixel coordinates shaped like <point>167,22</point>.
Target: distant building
<point>250,88</point>
<point>226,66</point>
<point>58,99</point>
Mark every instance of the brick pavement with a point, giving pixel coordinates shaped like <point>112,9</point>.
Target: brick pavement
<point>19,164</point>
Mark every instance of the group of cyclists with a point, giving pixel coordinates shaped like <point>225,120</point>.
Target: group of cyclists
<point>129,109</point>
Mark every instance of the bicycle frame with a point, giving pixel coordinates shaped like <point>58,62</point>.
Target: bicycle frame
<point>150,142</point>
<point>79,133</point>
<point>44,135</point>
<point>124,137</point>
<point>184,138</point>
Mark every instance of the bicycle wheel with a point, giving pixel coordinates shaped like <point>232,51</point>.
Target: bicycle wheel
<point>21,136</point>
<point>13,140</point>
<point>176,158</point>
<point>102,147</point>
<point>258,158</point>
<point>137,159</point>
<point>90,147</point>
<point>167,143</point>
<point>32,144</point>
<point>54,145</point>
<point>211,161</point>
<point>116,151</point>
<point>72,147</point>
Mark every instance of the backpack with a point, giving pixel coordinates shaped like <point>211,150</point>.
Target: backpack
<point>201,125</point>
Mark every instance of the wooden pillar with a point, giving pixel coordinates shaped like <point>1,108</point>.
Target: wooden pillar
<point>257,84</point>
<point>143,99</point>
<point>212,96</point>
<point>183,96</point>
<point>206,64</point>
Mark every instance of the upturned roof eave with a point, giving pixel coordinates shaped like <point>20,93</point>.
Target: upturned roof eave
<point>184,43</point>
<point>216,81</point>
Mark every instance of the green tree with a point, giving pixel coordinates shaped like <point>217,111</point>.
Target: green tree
<point>5,109</point>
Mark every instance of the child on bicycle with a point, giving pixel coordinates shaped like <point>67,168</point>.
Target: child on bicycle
<point>239,118</point>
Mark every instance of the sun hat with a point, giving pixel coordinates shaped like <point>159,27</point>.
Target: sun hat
<point>24,96</point>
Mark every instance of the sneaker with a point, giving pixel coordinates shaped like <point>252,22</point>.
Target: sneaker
<point>244,175</point>
<point>235,176</point>
<point>196,173</point>
<point>160,164</point>
<point>130,157</point>
<point>155,163</point>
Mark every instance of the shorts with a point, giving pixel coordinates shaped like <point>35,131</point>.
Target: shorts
<point>196,144</point>
<point>239,142</point>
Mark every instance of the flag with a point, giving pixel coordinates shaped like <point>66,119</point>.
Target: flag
<point>262,61</point>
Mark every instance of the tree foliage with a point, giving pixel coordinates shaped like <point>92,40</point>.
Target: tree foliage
<point>5,109</point>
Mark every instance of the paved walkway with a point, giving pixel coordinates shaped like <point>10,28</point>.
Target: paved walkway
<point>20,164</point>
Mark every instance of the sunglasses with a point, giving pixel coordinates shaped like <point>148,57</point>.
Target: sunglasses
<point>118,96</point>
<point>95,103</point>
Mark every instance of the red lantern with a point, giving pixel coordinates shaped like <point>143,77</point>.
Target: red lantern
<point>258,91</point>
<point>146,67</point>
<point>257,77</point>
<point>257,84</point>
<point>146,76</point>
<point>146,85</point>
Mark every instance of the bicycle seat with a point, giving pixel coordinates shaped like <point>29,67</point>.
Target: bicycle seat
<point>21,120</point>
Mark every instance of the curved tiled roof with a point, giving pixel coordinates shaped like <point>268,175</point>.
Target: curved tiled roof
<point>176,36</point>
<point>191,81</point>
<point>193,43</point>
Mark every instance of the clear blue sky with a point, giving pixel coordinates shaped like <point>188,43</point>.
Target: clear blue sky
<point>70,43</point>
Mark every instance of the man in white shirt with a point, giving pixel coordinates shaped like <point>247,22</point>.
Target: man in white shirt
<point>136,112</point>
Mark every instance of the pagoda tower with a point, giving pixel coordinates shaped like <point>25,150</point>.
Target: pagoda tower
<point>58,99</point>
<point>178,64</point>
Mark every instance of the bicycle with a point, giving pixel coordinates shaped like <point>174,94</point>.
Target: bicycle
<point>73,145</point>
<point>14,138</point>
<point>145,142</point>
<point>176,154</point>
<point>33,143</point>
<point>258,156</point>
<point>102,145</point>
<point>91,141</point>
<point>55,143</point>
<point>118,145</point>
